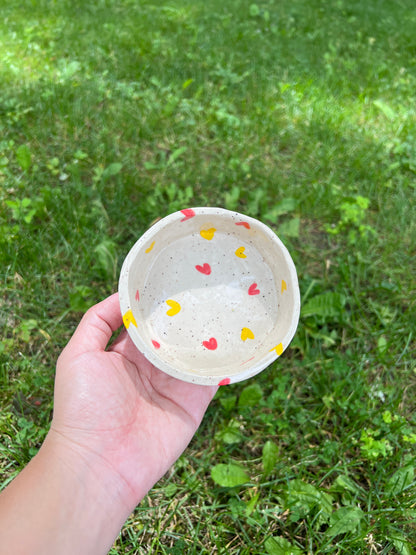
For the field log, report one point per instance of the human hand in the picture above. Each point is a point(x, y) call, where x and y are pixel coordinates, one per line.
point(119, 412)
point(118, 425)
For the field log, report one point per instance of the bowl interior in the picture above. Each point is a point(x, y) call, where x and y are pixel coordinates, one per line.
point(210, 293)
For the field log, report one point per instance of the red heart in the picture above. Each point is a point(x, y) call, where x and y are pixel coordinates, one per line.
point(137, 295)
point(188, 213)
point(156, 345)
point(245, 224)
point(211, 344)
point(252, 290)
point(225, 381)
point(205, 269)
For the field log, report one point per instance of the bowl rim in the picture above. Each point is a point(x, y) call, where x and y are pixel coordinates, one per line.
point(151, 355)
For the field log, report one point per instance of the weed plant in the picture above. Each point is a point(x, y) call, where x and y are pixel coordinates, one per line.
point(301, 113)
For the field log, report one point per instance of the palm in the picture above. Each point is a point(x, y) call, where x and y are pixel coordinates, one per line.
point(120, 406)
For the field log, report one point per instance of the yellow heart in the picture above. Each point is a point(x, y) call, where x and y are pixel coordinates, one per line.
point(128, 319)
point(240, 252)
point(150, 248)
point(175, 307)
point(246, 333)
point(278, 349)
point(208, 234)
point(284, 285)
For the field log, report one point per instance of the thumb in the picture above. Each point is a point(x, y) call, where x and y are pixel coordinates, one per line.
point(96, 327)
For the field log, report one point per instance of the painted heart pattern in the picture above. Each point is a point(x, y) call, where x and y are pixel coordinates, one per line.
point(174, 307)
point(208, 234)
point(252, 290)
point(246, 333)
point(188, 213)
point(240, 252)
point(150, 247)
point(278, 349)
point(204, 269)
point(211, 344)
point(128, 319)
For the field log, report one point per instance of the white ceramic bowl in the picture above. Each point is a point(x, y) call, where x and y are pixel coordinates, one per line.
point(210, 296)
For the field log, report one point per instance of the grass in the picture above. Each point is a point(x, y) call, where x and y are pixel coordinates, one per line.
point(302, 114)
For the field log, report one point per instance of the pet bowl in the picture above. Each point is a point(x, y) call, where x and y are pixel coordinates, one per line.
point(209, 296)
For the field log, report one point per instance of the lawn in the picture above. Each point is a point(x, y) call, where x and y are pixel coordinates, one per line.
point(302, 114)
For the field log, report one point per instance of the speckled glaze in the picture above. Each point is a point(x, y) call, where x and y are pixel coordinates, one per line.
point(210, 296)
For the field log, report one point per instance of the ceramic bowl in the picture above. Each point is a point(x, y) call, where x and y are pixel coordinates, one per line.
point(210, 296)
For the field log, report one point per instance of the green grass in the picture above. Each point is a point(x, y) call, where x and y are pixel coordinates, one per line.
point(299, 113)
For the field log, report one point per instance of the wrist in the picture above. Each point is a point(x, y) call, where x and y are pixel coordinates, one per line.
point(63, 502)
point(89, 502)
point(89, 469)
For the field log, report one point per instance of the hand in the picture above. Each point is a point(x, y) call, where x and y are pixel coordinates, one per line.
point(118, 425)
point(116, 409)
